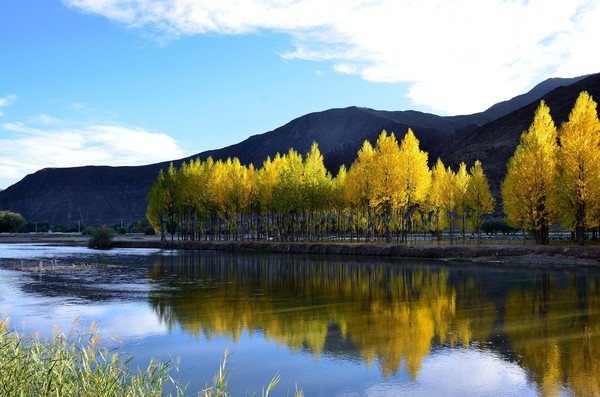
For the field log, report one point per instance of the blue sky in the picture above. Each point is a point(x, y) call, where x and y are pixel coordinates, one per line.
point(139, 81)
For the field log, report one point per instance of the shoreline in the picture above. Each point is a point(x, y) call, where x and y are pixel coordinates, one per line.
point(549, 257)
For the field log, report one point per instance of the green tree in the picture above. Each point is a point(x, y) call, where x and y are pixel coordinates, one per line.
point(579, 165)
point(11, 222)
point(528, 191)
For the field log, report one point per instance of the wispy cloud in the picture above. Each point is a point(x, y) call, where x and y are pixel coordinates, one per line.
point(6, 101)
point(96, 144)
point(458, 56)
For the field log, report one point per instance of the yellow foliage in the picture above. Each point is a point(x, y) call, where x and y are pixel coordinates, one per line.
point(579, 165)
point(528, 190)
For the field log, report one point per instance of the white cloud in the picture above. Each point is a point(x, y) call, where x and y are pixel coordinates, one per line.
point(464, 373)
point(459, 56)
point(24, 150)
point(6, 101)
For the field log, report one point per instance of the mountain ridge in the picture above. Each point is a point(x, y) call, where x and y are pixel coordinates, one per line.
point(106, 195)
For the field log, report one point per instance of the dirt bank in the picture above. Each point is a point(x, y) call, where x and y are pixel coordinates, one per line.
point(552, 256)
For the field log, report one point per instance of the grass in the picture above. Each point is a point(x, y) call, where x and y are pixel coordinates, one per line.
point(76, 365)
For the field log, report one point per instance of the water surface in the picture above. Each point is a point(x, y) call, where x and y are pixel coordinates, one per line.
point(333, 326)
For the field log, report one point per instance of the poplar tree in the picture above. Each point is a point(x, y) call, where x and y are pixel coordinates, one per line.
point(478, 198)
point(359, 186)
point(579, 168)
point(434, 199)
point(384, 195)
point(338, 201)
point(460, 193)
point(448, 200)
point(266, 179)
point(287, 191)
point(414, 179)
point(316, 187)
point(528, 190)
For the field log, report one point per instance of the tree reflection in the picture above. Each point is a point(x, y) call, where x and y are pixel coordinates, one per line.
point(391, 314)
point(556, 331)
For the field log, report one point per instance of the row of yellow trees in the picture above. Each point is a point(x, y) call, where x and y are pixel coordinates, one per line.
point(388, 192)
point(554, 174)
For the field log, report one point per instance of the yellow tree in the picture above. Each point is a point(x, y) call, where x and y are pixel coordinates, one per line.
point(287, 192)
point(579, 165)
point(528, 190)
point(448, 200)
point(460, 193)
point(338, 200)
point(414, 178)
point(434, 199)
point(316, 187)
point(478, 198)
point(385, 178)
point(266, 179)
point(359, 185)
point(237, 189)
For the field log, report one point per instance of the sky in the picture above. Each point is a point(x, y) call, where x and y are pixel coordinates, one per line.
point(130, 82)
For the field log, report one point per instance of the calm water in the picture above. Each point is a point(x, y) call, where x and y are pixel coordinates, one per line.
point(333, 326)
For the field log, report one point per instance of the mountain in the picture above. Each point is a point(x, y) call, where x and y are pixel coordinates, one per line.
point(494, 143)
point(107, 195)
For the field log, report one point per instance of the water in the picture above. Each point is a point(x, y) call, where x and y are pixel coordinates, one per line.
point(332, 326)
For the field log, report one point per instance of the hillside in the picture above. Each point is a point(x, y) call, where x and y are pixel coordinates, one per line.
point(495, 142)
point(106, 195)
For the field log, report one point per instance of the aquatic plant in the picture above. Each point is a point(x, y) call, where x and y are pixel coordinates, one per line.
point(75, 364)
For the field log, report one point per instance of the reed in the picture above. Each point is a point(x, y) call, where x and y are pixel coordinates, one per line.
point(76, 364)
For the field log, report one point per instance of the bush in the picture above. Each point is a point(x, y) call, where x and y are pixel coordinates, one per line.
point(149, 231)
point(101, 238)
point(11, 222)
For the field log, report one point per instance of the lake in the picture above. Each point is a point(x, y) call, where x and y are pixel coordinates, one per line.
point(333, 326)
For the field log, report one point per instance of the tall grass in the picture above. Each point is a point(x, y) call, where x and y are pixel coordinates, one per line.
point(76, 365)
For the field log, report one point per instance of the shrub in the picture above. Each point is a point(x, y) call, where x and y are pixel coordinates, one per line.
point(11, 222)
point(149, 231)
point(101, 238)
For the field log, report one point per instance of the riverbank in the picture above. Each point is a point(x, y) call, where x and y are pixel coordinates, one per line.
point(554, 255)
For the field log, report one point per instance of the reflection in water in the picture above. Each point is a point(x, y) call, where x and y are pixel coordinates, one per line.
point(392, 314)
point(389, 314)
point(556, 331)
point(422, 329)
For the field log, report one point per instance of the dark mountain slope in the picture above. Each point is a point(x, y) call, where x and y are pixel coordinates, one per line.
point(336, 131)
point(92, 195)
point(494, 143)
point(505, 107)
